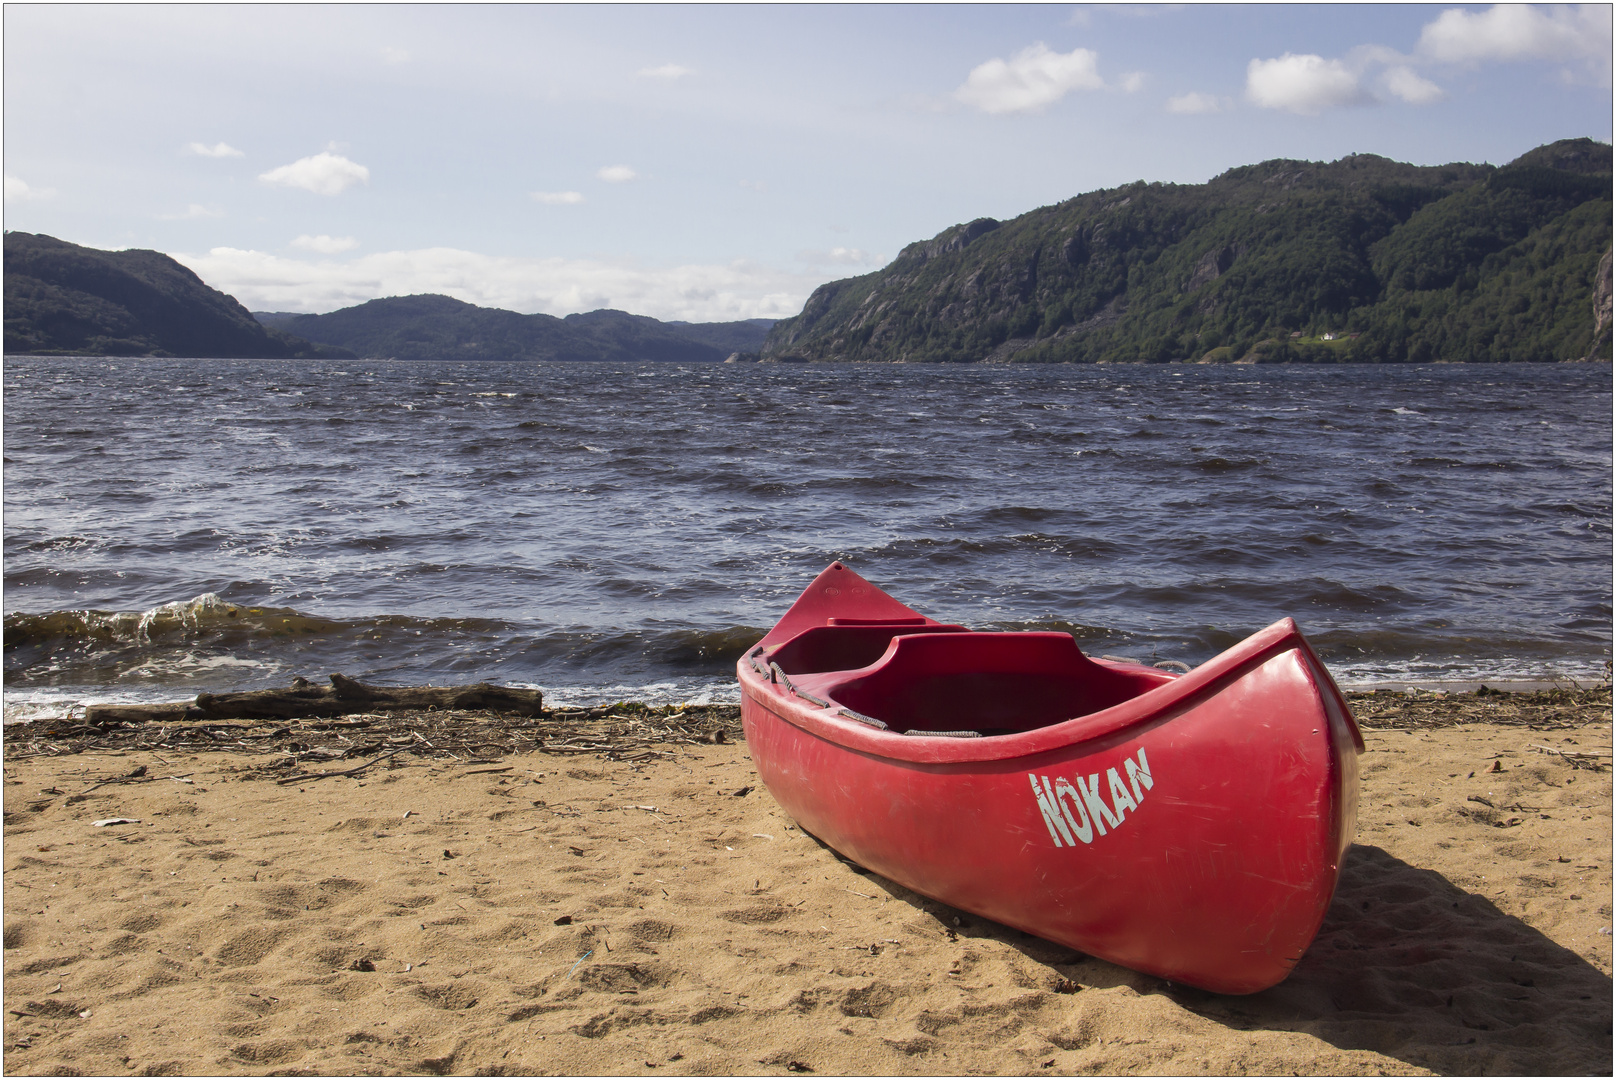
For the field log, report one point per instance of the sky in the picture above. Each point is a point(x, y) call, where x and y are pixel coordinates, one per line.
point(712, 162)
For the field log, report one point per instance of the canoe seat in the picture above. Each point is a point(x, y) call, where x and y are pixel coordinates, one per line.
point(994, 683)
point(846, 644)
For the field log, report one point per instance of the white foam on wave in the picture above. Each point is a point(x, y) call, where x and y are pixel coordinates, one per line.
point(700, 690)
point(192, 665)
point(47, 704)
point(1494, 672)
point(188, 613)
point(56, 708)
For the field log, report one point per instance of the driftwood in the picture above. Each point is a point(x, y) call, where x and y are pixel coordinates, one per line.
point(342, 698)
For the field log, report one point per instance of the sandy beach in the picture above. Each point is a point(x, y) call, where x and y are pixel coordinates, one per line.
point(540, 912)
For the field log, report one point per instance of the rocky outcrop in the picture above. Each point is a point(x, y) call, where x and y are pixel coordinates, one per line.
point(1601, 347)
point(1213, 265)
point(957, 238)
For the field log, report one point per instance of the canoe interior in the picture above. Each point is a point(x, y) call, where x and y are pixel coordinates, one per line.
point(842, 647)
point(934, 678)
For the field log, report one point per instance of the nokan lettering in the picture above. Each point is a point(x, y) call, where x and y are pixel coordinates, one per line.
point(1138, 774)
point(1052, 817)
point(1119, 793)
point(1103, 814)
point(1069, 800)
point(1075, 810)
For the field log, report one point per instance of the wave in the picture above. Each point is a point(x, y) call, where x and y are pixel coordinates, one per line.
point(203, 614)
point(212, 643)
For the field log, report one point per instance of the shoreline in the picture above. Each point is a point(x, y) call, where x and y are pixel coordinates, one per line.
point(65, 706)
point(626, 899)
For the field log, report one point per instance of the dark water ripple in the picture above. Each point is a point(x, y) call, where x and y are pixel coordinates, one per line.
point(605, 530)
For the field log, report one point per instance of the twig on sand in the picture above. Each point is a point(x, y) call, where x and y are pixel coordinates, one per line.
point(1575, 757)
point(345, 772)
point(136, 776)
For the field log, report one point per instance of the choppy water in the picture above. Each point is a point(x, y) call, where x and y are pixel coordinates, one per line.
point(611, 531)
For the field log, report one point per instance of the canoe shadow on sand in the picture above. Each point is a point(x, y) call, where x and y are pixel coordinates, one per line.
point(1407, 964)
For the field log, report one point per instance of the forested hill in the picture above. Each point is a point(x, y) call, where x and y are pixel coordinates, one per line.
point(1360, 260)
point(63, 299)
point(432, 327)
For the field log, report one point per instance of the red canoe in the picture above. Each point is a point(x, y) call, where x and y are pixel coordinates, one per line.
point(1191, 826)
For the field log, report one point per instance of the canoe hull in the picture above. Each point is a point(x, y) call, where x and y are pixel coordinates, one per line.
point(1199, 841)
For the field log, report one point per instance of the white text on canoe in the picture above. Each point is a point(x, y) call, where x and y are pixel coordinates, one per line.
point(1075, 810)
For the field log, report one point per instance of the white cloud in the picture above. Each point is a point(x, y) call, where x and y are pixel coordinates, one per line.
point(616, 174)
point(1032, 79)
point(666, 71)
point(1132, 82)
point(325, 245)
point(1412, 88)
point(837, 256)
point(694, 292)
point(755, 185)
point(1194, 103)
point(394, 55)
point(220, 150)
point(194, 211)
point(1519, 32)
point(558, 198)
point(1305, 84)
point(324, 174)
point(19, 191)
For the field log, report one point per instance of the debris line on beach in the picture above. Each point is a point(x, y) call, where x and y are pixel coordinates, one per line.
point(299, 747)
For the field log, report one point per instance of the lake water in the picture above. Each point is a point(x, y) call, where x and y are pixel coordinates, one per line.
point(609, 531)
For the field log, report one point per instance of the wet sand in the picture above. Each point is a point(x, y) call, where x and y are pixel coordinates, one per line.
point(549, 914)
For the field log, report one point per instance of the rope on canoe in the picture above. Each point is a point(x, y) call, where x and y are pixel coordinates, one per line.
point(947, 734)
point(779, 675)
point(861, 718)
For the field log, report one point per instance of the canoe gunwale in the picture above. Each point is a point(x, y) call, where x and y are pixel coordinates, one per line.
point(792, 704)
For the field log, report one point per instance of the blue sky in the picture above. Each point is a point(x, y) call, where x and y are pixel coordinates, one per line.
point(712, 162)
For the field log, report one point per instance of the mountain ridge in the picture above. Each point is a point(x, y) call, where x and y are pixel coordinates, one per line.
point(430, 326)
point(1394, 262)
